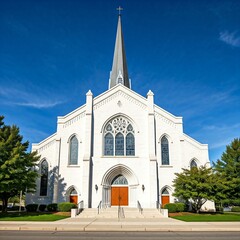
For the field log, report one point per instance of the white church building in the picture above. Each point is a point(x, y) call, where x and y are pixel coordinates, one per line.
point(118, 148)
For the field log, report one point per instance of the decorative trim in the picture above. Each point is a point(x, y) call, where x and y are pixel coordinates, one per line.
point(46, 146)
point(115, 95)
point(166, 120)
point(73, 120)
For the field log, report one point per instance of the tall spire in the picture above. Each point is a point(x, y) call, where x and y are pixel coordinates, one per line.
point(119, 73)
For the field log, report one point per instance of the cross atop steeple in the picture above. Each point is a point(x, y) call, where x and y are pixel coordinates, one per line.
point(119, 10)
point(119, 73)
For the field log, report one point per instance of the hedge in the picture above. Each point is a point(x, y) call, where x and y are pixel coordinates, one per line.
point(53, 207)
point(42, 207)
point(172, 207)
point(235, 209)
point(175, 207)
point(181, 207)
point(66, 206)
point(32, 207)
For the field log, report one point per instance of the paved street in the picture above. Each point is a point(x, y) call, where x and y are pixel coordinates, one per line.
point(35, 235)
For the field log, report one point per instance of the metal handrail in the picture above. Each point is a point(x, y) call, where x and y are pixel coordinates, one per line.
point(99, 206)
point(80, 206)
point(121, 212)
point(139, 207)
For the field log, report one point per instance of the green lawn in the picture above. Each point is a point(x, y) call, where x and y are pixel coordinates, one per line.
point(192, 217)
point(24, 216)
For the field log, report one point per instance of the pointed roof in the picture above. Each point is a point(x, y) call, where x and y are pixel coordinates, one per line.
point(119, 73)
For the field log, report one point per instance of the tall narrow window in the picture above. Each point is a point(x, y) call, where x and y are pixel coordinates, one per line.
point(193, 164)
point(108, 144)
point(44, 178)
point(130, 145)
point(165, 151)
point(73, 151)
point(119, 145)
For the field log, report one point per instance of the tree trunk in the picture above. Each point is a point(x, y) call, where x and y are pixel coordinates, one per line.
point(4, 203)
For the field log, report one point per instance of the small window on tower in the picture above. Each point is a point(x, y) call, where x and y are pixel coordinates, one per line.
point(120, 80)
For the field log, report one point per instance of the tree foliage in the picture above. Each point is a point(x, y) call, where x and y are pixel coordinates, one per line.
point(197, 185)
point(228, 169)
point(16, 165)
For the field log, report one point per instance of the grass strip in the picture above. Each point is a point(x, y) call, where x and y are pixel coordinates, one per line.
point(31, 217)
point(208, 217)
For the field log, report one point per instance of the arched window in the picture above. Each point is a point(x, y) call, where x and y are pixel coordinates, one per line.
point(44, 178)
point(119, 137)
point(119, 145)
point(73, 158)
point(130, 145)
point(193, 164)
point(119, 180)
point(165, 151)
point(108, 144)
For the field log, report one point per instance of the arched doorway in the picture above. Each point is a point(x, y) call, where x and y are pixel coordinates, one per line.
point(165, 196)
point(119, 191)
point(121, 181)
point(73, 196)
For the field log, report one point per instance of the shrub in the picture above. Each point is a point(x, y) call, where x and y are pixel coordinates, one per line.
point(16, 208)
point(32, 207)
point(66, 206)
point(180, 207)
point(52, 207)
point(235, 209)
point(219, 209)
point(172, 207)
point(42, 207)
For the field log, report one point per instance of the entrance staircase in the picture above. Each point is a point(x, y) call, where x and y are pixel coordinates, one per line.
point(124, 212)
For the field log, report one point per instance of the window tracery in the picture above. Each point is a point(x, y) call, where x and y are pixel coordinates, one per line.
point(119, 137)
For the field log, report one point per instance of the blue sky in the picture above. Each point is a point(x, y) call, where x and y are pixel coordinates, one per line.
point(187, 52)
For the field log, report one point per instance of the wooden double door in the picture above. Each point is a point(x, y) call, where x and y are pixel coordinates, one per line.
point(119, 196)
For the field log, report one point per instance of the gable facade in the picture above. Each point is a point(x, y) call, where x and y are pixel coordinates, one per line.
point(119, 148)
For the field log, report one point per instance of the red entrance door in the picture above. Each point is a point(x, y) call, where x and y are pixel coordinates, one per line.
point(74, 199)
point(119, 196)
point(165, 200)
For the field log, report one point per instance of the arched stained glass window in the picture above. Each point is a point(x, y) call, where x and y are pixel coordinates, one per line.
point(165, 192)
point(130, 145)
point(73, 192)
point(119, 180)
point(165, 151)
point(119, 139)
point(44, 178)
point(119, 144)
point(108, 144)
point(73, 158)
point(193, 164)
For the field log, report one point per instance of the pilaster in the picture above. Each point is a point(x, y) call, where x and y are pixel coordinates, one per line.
point(87, 170)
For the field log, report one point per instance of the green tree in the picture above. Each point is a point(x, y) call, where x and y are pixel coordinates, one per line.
point(196, 185)
point(16, 164)
point(228, 168)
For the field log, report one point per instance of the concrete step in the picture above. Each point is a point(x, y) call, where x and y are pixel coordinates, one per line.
point(113, 213)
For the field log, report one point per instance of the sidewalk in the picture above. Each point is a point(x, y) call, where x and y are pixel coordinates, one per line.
point(101, 224)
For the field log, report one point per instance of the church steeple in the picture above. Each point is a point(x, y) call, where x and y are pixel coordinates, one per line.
point(119, 73)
